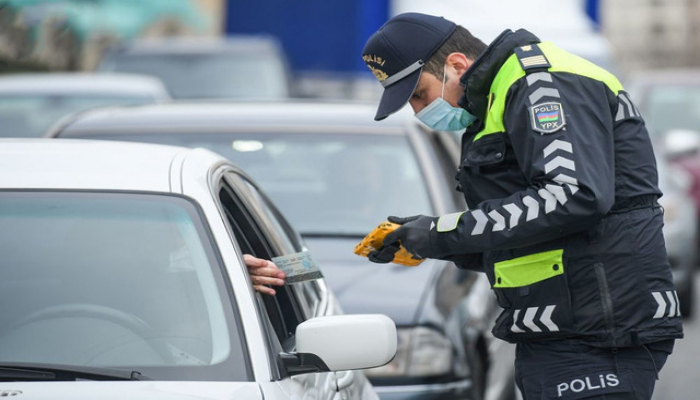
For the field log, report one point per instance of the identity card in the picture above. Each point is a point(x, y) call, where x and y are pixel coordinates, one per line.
point(299, 267)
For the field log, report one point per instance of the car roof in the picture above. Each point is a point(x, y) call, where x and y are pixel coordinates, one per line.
point(92, 165)
point(84, 83)
point(187, 117)
point(200, 45)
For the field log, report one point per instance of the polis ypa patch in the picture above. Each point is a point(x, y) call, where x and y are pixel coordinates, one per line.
point(547, 117)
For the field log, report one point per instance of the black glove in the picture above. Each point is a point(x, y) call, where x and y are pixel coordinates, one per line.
point(413, 234)
point(384, 254)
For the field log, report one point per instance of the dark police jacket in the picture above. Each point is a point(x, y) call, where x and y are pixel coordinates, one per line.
point(561, 183)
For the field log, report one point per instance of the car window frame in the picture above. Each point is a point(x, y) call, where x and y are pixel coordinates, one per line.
point(266, 305)
point(448, 151)
point(247, 230)
point(312, 296)
point(436, 179)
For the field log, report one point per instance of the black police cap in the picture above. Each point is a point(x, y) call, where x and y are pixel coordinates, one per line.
point(397, 52)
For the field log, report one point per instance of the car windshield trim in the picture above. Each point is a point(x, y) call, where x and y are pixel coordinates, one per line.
point(61, 372)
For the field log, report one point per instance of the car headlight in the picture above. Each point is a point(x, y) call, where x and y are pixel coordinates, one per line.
point(420, 352)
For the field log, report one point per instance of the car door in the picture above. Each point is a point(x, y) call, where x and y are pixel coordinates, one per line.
point(261, 231)
point(313, 296)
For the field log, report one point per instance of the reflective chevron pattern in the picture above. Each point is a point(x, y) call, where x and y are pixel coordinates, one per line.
point(667, 304)
point(533, 208)
point(500, 221)
point(515, 328)
point(543, 92)
point(557, 145)
point(535, 319)
point(481, 221)
point(515, 213)
point(625, 108)
point(558, 155)
point(550, 202)
point(571, 182)
point(558, 162)
point(538, 76)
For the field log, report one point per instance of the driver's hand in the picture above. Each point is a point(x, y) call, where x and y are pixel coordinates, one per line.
point(263, 273)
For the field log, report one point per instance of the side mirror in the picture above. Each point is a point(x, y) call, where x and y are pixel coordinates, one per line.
point(342, 342)
point(681, 142)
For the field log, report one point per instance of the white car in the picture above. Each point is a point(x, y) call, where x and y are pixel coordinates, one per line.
point(122, 277)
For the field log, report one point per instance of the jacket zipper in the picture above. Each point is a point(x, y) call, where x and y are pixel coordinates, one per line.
point(606, 299)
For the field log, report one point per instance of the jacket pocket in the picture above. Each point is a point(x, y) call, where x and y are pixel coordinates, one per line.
point(534, 291)
point(487, 152)
point(527, 270)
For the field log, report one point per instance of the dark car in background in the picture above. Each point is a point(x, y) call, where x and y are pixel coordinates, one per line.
point(337, 174)
point(680, 231)
point(31, 103)
point(240, 66)
point(669, 102)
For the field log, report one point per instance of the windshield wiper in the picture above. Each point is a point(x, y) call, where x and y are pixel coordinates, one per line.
point(60, 372)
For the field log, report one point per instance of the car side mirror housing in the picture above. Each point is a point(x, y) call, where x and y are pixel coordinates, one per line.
point(342, 342)
point(681, 142)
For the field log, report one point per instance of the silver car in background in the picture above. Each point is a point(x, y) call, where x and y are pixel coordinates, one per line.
point(238, 66)
point(336, 174)
point(31, 103)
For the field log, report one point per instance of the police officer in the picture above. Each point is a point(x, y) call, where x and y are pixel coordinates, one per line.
point(560, 178)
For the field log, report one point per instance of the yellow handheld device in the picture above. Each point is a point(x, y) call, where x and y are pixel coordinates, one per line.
point(373, 241)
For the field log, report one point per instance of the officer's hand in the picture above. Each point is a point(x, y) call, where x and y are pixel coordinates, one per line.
point(384, 254)
point(413, 234)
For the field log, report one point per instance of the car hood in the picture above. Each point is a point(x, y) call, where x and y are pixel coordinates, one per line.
point(152, 390)
point(362, 286)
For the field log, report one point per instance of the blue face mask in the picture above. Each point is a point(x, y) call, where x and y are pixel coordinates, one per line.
point(440, 115)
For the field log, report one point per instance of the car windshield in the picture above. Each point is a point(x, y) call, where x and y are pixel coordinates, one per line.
point(672, 107)
point(115, 280)
point(209, 76)
point(32, 115)
point(325, 183)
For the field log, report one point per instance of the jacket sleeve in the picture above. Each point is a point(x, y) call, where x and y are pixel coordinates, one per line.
point(470, 261)
point(561, 131)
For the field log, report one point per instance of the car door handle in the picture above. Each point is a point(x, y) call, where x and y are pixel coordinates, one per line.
point(344, 379)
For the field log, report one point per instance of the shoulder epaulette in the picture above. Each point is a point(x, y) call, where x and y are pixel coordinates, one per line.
point(531, 58)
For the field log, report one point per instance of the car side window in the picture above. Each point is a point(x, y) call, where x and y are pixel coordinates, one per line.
point(448, 150)
point(282, 309)
point(310, 294)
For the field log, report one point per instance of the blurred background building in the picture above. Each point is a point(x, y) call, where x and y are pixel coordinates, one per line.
point(653, 33)
point(72, 35)
point(322, 40)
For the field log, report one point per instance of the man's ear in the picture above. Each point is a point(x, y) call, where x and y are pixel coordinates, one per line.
point(459, 61)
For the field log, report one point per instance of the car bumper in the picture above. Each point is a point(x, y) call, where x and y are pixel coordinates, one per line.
point(434, 391)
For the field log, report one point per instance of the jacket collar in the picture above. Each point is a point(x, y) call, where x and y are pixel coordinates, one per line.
point(478, 78)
